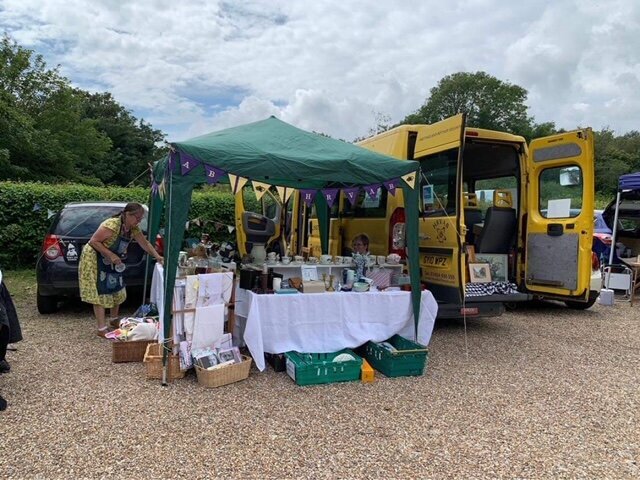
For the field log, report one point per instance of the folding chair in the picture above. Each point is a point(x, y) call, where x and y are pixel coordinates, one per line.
point(619, 277)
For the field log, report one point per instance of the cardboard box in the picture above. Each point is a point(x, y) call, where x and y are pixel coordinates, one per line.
point(313, 286)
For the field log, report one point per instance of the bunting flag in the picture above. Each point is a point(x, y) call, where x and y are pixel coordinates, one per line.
point(36, 207)
point(372, 190)
point(410, 179)
point(236, 182)
point(213, 174)
point(186, 225)
point(155, 188)
point(162, 189)
point(391, 185)
point(308, 195)
point(172, 160)
point(50, 213)
point(197, 221)
point(330, 195)
point(218, 225)
point(230, 228)
point(187, 163)
point(351, 194)
point(284, 193)
point(260, 188)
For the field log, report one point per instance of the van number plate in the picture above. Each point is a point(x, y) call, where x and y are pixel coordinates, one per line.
point(436, 261)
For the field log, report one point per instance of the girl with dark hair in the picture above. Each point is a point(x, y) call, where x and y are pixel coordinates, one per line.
point(100, 270)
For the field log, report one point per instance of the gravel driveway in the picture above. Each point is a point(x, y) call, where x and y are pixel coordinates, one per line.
point(543, 392)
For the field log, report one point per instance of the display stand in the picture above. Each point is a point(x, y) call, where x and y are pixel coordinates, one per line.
point(178, 306)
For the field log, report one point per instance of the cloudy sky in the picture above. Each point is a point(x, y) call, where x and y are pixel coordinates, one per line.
point(196, 66)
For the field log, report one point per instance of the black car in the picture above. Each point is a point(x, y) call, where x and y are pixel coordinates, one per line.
point(71, 229)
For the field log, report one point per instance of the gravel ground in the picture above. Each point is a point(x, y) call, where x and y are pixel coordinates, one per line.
point(543, 392)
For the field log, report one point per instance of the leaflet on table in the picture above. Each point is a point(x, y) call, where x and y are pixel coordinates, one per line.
point(309, 272)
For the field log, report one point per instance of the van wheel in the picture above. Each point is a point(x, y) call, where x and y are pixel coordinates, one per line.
point(47, 304)
point(581, 305)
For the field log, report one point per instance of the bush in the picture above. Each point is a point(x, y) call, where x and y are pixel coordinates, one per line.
point(24, 209)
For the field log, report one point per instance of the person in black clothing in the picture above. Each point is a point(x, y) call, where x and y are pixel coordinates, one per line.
point(10, 331)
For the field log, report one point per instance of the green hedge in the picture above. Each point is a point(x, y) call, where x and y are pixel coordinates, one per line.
point(24, 210)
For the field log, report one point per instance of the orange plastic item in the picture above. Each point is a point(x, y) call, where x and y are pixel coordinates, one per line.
point(367, 373)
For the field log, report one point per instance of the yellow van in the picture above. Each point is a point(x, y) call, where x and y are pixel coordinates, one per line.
point(501, 221)
point(274, 225)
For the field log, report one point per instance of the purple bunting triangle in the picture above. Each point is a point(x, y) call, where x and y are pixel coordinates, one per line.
point(213, 174)
point(330, 195)
point(372, 190)
point(187, 163)
point(155, 188)
point(351, 194)
point(391, 185)
point(308, 195)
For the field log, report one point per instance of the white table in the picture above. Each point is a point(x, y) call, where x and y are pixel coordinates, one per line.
point(328, 322)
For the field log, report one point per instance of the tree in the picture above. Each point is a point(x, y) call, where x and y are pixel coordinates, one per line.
point(488, 102)
point(51, 131)
point(615, 156)
point(40, 124)
point(134, 143)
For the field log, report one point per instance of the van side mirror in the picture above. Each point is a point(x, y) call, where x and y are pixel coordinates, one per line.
point(570, 176)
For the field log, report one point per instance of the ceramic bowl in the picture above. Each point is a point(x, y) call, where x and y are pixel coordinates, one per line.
point(360, 287)
point(393, 259)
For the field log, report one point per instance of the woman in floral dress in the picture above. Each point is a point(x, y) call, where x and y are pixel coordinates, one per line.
point(102, 284)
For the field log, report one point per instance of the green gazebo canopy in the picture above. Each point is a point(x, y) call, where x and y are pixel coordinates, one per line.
point(276, 153)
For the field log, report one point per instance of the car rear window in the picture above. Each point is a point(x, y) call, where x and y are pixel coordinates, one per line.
point(83, 221)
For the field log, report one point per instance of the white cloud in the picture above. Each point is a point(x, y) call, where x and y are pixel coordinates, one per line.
point(330, 66)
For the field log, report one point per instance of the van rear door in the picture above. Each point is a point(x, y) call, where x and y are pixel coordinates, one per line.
point(439, 149)
point(560, 217)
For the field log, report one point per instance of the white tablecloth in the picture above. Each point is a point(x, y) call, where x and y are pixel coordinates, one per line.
point(328, 322)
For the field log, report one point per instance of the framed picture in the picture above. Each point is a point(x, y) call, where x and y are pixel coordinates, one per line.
point(309, 272)
point(207, 361)
point(499, 264)
point(226, 354)
point(479, 272)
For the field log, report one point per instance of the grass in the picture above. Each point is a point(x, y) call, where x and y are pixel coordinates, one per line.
point(20, 283)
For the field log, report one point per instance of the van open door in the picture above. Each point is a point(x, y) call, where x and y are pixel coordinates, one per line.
point(439, 148)
point(560, 215)
point(270, 209)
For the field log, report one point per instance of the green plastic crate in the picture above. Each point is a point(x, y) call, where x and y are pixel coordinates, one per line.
point(409, 359)
point(317, 368)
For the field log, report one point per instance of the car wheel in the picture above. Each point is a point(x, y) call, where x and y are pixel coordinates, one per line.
point(582, 305)
point(47, 304)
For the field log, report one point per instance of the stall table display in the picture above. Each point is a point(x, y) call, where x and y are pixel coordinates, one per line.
point(328, 322)
point(295, 269)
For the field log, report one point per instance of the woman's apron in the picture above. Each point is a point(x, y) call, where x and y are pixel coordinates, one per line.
point(110, 280)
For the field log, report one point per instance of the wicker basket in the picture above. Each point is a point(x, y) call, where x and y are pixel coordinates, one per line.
point(224, 375)
point(129, 351)
point(153, 363)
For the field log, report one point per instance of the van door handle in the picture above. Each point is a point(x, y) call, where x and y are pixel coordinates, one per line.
point(555, 229)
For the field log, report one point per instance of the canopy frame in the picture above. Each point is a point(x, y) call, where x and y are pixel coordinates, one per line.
point(347, 164)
